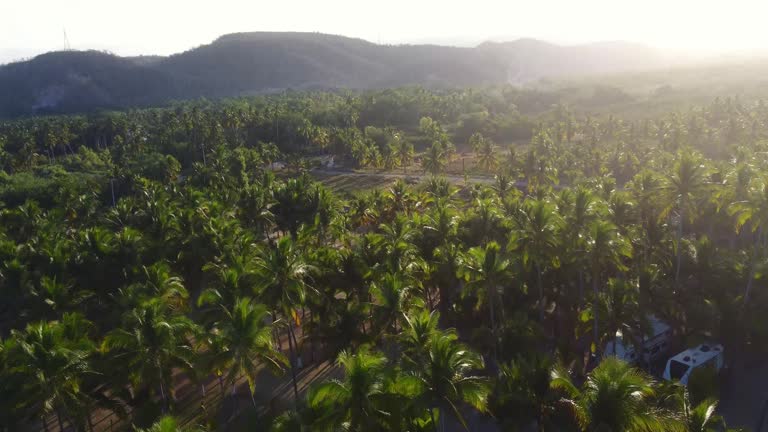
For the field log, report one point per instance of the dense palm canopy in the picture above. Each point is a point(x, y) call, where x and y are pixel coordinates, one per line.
point(148, 252)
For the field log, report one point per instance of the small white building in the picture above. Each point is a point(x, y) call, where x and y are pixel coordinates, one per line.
point(681, 366)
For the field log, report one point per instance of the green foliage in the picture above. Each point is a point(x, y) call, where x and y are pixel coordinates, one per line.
point(142, 248)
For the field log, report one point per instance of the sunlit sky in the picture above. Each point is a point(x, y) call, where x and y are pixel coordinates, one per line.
point(30, 27)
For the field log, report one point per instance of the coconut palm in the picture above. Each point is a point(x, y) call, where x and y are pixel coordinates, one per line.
point(522, 393)
point(448, 378)
point(169, 424)
point(402, 150)
point(151, 342)
point(420, 327)
point(395, 243)
point(486, 272)
point(753, 213)
point(535, 238)
point(702, 417)
point(682, 191)
point(434, 159)
point(615, 397)
point(605, 251)
point(52, 368)
point(241, 342)
point(391, 293)
point(620, 311)
point(281, 281)
point(359, 402)
point(485, 151)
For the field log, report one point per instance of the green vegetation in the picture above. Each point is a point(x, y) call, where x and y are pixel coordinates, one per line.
point(146, 253)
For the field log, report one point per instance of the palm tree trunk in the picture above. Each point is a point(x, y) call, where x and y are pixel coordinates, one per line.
point(595, 301)
point(162, 394)
point(292, 334)
point(276, 332)
point(541, 293)
point(293, 367)
point(310, 339)
point(491, 307)
point(753, 265)
point(45, 423)
point(679, 245)
point(432, 416)
point(58, 418)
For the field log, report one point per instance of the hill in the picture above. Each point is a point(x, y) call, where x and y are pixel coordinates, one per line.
point(249, 63)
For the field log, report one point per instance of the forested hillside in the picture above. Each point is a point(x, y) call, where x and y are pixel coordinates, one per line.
point(250, 63)
point(151, 253)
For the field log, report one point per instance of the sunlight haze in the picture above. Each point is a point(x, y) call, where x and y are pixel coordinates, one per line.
point(164, 27)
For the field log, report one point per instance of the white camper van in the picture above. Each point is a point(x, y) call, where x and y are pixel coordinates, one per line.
point(654, 345)
point(680, 367)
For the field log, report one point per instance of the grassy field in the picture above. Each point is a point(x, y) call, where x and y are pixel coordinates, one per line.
point(351, 183)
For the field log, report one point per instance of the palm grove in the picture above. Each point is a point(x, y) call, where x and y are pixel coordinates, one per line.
point(139, 246)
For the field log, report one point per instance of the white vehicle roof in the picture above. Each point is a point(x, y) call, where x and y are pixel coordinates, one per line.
point(698, 355)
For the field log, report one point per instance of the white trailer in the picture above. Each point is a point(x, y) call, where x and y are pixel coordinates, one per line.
point(680, 367)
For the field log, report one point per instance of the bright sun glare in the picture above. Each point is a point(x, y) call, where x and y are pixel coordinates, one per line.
point(152, 27)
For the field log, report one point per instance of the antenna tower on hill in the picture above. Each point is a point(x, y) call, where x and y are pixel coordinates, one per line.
point(66, 41)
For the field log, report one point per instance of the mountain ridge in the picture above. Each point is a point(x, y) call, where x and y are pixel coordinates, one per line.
point(249, 63)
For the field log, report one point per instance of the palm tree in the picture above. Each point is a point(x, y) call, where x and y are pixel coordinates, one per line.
point(618, 305)
point(522, 393)
point(52, 366)
point(420, 327)
point(359, 402)
point(579, 208)
point(168, 424)
point(486, 271)
point(682, 191)
point(485, 150)
point(447, 378)
point(434, 159)
point(150, 343)
point(395, 242)
point(391, 294)
point(281, 281)
point(402, 150)
point(605, 249)
point(535, 239)
point(615, 397)
point(754, 213)
point(242, 339)
point(702, 417)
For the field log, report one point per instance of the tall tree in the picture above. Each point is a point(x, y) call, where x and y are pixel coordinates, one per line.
point(281, 281)
point(616, 397)
point(486, 272)
point(151, 342)
point(682, 191)
point(241, 341)
point(535, 238)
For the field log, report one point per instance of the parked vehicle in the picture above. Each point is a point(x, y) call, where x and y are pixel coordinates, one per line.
point(654, 345)
point(680, 367)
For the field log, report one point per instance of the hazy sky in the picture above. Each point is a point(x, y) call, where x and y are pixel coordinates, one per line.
point(29, 27)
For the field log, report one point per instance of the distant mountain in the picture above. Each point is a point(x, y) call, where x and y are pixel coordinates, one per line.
point(252, 63)
point(531, 59)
